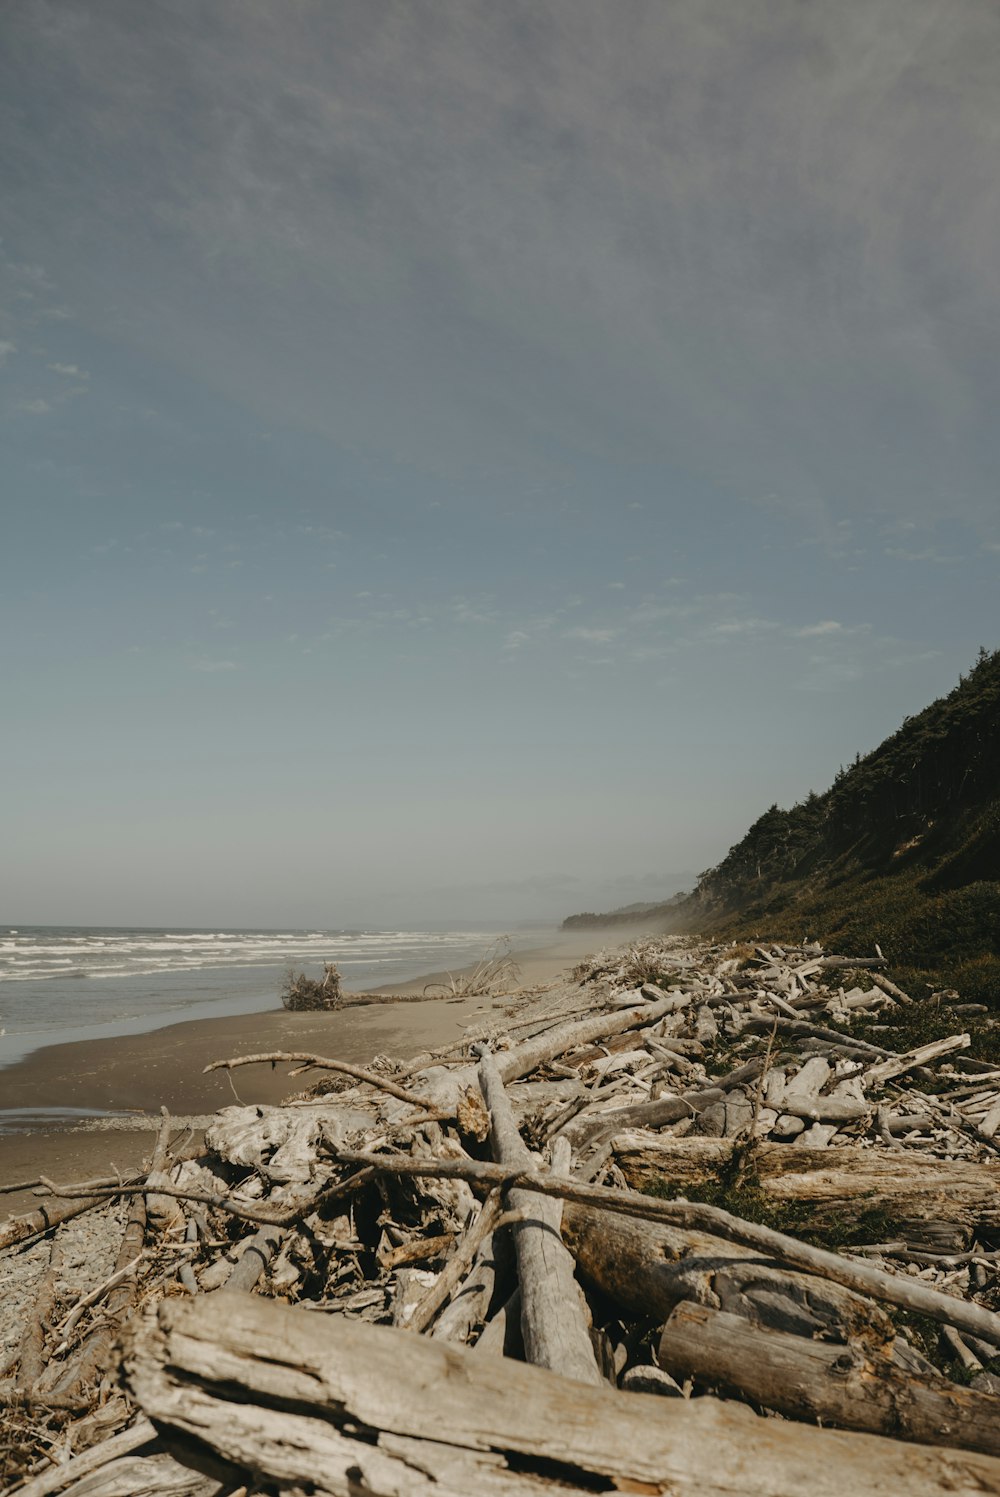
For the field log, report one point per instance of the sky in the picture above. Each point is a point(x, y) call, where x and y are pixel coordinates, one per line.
point(463, 462)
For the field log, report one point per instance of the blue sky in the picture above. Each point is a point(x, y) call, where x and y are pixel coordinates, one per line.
point(464, 462)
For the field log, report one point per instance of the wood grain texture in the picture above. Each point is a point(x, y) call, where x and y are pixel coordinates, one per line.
point(807, 1379)
point(342, 1408)
point(555, 1321)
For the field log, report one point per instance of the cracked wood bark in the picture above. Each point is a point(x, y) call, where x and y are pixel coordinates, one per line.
point(344, 1407)
point(807, 1379)
point(554, 1315)
point(647, 1269)
point(912, 1187)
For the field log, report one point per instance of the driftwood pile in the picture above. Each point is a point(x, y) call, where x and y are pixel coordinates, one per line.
point(643, 1235)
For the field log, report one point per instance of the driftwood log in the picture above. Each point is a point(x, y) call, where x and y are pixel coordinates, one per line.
point(554, 1314)
point(892, 1289)
point(647, 1268)
point(912, 1188)
point(838, 1385)
point(251, 1388)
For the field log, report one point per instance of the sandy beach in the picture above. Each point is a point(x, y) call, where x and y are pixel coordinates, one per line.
point(139, 1074)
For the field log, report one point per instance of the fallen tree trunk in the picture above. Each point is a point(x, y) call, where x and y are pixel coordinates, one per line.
point(567, 1037)
point(912, 1187)
point(807, 1379)
point(554, 1315)
point(248, 1386)
point(892, 1289)
point(647, 1269)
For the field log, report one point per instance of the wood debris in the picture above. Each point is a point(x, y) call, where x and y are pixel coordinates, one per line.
point(707, 1192)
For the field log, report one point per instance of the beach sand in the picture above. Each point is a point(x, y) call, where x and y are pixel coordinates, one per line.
point(164, 1068)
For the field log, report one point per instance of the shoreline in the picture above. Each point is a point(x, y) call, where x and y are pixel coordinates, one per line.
point(137, 1074)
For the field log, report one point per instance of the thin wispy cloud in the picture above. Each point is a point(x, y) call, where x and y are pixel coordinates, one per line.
point(825, 627)
point(514, 207)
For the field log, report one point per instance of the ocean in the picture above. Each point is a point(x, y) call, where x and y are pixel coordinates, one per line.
point(64, 983)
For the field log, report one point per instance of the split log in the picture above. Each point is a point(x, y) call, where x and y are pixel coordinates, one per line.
point(459, 1263)
point(469, 1306)
point(890, 988)
point(554, 1316)
point(831, 963)
point(94, 1356)
point(807, 1379)
point(802, 1029)
point(647, 1269)
point(31, 1352)
point(344, 1407)
point(913, 1188)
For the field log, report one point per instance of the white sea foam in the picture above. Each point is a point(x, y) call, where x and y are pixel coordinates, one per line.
point(61, 980)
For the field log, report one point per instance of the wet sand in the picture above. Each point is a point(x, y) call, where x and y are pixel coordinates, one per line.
point(139, 1074)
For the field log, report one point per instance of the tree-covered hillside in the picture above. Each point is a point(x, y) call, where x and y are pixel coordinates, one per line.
point(903, 850)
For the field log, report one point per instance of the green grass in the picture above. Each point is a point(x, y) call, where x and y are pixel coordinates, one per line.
point(747, 1199)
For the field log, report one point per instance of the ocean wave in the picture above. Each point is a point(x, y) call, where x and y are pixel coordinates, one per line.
point(35, 956)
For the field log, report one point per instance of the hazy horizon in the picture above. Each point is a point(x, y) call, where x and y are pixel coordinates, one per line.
point(519, 907)
point(467, 461)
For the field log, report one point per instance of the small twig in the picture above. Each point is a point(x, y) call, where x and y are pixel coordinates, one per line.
point(274, 1216)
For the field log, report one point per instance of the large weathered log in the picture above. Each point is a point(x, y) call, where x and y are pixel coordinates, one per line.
point(554, 1317)
point(807, 1379)
point(648, 1268)
point(892, 1289)
point(912, 1187)
point(536, 1052)
point(340, 1408)
point(653, 1114)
